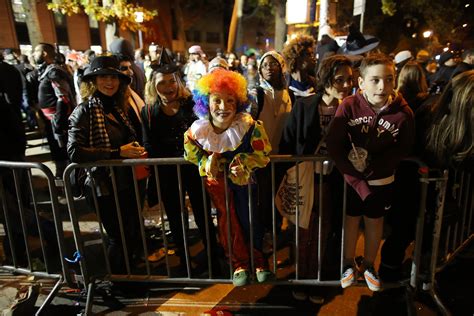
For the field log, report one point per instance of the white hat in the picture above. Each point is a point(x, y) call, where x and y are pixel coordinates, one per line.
point(195, 49)
point(218, 62)
point(402, 56)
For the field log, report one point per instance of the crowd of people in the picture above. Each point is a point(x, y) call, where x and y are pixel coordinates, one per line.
point(366, 110)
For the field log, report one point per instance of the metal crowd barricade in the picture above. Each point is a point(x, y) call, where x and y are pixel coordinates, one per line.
point(96, 267)
point(92, 269)
point(21, 220)
point(451, 229)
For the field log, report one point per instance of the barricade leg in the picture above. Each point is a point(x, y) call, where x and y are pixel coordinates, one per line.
point(90, 298)
point(50, 296)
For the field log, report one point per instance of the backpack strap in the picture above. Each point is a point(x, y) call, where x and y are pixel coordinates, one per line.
point(260, 100)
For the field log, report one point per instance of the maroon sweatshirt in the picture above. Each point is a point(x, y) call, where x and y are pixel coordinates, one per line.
point(387, 136)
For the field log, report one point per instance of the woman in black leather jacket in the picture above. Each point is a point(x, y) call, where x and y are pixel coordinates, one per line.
point(99, 129)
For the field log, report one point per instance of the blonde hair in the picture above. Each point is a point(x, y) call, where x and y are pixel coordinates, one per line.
point(451, 136)
point(151, 95)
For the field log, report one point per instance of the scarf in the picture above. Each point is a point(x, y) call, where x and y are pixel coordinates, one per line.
point(98, 136)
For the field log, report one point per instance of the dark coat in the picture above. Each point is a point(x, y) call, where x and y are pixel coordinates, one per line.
point(79, 150)
point(12, 130)
point(302, 132)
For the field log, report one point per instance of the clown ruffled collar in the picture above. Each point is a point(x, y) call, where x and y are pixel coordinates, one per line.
point(203, 132)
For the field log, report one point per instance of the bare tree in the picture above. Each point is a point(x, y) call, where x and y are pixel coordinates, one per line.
point(280, 23)
point(32, 22)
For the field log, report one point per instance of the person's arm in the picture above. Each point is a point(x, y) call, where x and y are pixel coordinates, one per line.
point(194, 153)
point(78, 142)
point(244, 163)
point(337, 142)
point(64, 105)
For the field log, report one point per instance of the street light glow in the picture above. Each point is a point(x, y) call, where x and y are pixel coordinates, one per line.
point(139, 17)
point(427, 34)
point(413, 35)
point(467, 5)
point(297, 12)
point(464, 25)
point(445, 49)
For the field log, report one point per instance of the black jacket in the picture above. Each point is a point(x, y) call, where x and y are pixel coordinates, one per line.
point(12, 130)
point(55, 91)
point(79, 150)
point(302, 132)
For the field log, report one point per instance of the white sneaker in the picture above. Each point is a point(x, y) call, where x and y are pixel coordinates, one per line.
point(372, 279)
point(349, 277)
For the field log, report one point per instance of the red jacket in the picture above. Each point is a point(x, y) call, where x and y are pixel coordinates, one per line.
point(388, 136)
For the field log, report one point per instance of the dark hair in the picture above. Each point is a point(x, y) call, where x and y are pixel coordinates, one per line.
point(375, 59)
point(24, 59)
point(328, 70)
point(121, 57)
point(412, 80)
point(467, 52)
point(49, 49)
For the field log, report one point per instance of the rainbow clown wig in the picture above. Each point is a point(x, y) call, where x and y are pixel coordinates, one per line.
point(220, 80)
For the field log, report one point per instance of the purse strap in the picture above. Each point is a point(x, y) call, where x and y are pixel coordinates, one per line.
point(323, 139)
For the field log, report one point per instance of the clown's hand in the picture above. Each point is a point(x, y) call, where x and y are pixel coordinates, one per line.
point(237, 169)
point(212, 166)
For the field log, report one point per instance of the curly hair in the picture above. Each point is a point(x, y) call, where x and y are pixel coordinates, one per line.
point(295, 48)
point(329, 67)
point(220, 80)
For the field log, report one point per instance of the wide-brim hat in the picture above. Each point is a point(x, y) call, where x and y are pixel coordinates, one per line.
point(103, 66)
point(402, 56)
point(444, 57)
point(357, 44)
point(358, 47)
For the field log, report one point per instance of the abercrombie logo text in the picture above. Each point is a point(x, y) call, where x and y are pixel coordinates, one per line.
point(382, 125)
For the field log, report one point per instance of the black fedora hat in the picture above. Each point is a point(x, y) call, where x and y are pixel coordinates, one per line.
point(357, 44)
point(164, 64)
point(105, 65)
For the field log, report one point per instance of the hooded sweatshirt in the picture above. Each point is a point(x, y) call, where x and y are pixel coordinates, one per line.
point(387, 136)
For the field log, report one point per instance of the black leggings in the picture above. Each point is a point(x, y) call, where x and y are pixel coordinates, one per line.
point(131, 227)
point(191, 183)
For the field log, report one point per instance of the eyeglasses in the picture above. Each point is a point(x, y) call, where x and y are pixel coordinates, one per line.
point(123, 68)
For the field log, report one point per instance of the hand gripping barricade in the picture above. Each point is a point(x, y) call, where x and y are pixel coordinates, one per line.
point(24, 224)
